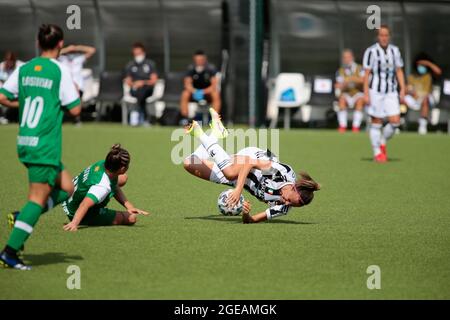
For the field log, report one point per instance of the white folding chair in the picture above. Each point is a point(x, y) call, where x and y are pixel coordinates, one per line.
point(299, 91)
point(128, 100)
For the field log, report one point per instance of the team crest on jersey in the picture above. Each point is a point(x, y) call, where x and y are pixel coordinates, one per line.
point(97, 168)
point(37, 68)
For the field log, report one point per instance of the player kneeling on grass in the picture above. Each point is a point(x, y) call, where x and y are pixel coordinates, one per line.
point(94, 186)
point(256, 170)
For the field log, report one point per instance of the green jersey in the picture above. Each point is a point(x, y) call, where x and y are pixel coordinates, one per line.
point(43, 87)
point(94, 183)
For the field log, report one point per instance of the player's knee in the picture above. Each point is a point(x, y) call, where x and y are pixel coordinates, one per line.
point(122, 180)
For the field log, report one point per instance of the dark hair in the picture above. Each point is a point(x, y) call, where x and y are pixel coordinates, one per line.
point(305, 187)
point(420, 56)
point(49, 36)
point(199, 53)
point(139, 45)
point(10, 60)
point(117, 158)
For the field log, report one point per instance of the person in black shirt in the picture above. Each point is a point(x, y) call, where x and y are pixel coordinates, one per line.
point(200, 84)
point(141, 76)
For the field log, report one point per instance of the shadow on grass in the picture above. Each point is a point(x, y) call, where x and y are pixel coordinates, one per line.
point(239, 220)
point(389, 159)
point(50, 258)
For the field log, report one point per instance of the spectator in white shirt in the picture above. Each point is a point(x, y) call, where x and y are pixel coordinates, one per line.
point(7, 67)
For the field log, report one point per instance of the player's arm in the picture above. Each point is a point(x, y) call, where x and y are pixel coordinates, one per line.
point(122, 199)
point(243, 172)
point(88, 51)
point(152, 79)
point(81, 212)
point(259, 217)
point(4, 101)
point(213, 87)
point(188, 84)
point(75, 111)
point(270, 213)
point(10, 90)
point(434, 67)
point(366, 85)
point(401, 83)
point(68, 94)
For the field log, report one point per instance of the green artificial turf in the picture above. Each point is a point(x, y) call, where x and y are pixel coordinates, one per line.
point(394, 215)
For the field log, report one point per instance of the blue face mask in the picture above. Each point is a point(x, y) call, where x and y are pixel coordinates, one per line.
point(421, 69)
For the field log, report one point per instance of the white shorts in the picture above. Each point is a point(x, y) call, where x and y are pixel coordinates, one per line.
point(383, 104)
point(253, 152)
point(257, 153)
point(351, 100)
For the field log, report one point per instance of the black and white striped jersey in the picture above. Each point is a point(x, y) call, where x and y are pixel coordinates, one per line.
point(383, 63)
point(266, 186)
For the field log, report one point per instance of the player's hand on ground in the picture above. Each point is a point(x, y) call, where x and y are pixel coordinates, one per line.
point(247, 207)
point(71, 226)
point(137, 211)
point(233, 198)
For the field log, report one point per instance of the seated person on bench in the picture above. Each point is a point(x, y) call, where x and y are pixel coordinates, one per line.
point(200, 84)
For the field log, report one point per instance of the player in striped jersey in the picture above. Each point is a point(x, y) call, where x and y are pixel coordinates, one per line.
point(256, 170)
point(383, 73)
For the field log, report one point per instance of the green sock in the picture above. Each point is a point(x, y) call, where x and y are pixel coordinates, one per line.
point(28, 217)
point(56, 197)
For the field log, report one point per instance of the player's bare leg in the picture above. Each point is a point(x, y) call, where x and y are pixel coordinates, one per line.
point(388, 132)
point(342, 114)
point(423, 121)
point(358, 115)
point(376, 139)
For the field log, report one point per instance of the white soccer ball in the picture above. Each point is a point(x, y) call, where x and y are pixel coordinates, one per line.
point(223, 207)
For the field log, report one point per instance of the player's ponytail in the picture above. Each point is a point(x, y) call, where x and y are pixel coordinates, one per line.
point(117, 158)
point(306, 186)
point(49, 36)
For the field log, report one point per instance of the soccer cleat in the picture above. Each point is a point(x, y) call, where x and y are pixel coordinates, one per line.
point(12, 217)
point(355, 129)
point(342, 129)
point(10, 261)
point(380, 158)
point(383, 150)
point(217, 126)
point(194, 129)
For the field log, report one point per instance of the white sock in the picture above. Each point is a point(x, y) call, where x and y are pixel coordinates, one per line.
point(215, 151)
point(423, 122)
point(357, 118)
point(389, 131)
point(198, 155)
point(375, 137)
point(342, 118)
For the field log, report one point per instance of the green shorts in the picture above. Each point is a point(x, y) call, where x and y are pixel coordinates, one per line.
point(97, 216)
point(43, 173)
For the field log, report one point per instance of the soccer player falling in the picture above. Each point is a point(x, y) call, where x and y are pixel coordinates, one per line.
point(256, 170)
point(45, 89)
point(94, 187)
